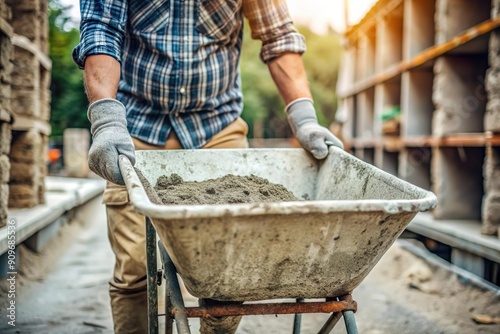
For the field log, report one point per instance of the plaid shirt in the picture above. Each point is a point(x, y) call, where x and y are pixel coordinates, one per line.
point(180, 59)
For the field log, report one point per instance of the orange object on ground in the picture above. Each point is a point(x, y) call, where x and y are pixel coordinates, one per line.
point(53, 154)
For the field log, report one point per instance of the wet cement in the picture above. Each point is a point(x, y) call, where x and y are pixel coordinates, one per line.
point(229, 189)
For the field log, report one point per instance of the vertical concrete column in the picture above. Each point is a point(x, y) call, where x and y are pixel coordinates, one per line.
point(418, 23)
point(76, 147)
point(457, 181)
point(495, 8)
point(414, 166)
point(492, 115)
point(416, 103)
point(390, 49)
point(456, 16)
point(459, 95)
point(491, 202)
point(365, 107)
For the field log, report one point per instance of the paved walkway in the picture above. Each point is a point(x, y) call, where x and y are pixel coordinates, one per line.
point(64, 289)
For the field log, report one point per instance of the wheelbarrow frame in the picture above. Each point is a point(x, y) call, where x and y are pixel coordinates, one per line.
point(356, 201)
point(175, 310)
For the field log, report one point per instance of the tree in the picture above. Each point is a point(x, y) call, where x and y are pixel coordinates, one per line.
point(69, 102)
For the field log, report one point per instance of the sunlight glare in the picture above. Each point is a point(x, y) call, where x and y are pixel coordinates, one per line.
point(319, 14)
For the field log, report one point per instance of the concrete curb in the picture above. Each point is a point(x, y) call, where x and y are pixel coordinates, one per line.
point(465, 277)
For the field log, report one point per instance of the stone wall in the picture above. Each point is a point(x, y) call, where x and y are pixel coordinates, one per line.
point(27, 169)
point(24, 103)
point(5, 108)
point(30, 19)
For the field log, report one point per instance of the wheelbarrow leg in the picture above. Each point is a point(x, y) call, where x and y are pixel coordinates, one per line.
point(330, 323)
point(152, 278)
point(334, 318)
point(169, 321)
point(174, 292)
point(297, 320)
point(350, 322)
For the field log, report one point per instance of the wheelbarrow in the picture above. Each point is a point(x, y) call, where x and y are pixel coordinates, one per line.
point(321, 247)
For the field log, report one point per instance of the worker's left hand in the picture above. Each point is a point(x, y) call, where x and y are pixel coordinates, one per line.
point(312, 136)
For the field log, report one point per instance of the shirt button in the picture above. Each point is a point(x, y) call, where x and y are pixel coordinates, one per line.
point(182, 90)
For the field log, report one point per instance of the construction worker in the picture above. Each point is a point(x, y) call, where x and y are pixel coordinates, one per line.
point(165, 74)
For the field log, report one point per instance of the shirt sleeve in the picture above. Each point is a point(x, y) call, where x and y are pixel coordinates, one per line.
point(102, 29)
point(270, 22)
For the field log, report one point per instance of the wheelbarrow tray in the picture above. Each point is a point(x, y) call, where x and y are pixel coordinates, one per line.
point(322, 246)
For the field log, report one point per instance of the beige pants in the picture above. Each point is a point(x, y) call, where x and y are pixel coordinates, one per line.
point(127, 235)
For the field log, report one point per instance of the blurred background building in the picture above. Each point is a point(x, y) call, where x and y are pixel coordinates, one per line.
point(419, 97)
point(24, 103)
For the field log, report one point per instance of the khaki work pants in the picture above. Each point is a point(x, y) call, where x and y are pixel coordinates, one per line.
point(127, 235)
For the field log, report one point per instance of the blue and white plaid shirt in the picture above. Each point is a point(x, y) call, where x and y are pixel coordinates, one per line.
point(180, 59)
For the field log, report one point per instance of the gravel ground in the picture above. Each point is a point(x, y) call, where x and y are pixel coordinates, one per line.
point(64, 290)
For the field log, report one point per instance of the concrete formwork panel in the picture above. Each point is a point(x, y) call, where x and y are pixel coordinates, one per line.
point(459, 94)
point(456, 16)
point(365, 113)
point(491, 203)
point(419, 27)
point(415, 166)
point(390, 45)
point(457, 181)
point(417, 107)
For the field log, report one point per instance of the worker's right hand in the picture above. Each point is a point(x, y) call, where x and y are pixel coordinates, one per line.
point(110, 138)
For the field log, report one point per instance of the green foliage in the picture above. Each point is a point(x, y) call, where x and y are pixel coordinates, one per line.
point(322, 63)
point(69, 103)
point(264, 109)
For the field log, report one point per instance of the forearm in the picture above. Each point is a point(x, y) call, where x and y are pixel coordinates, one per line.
point(290, 77)
point(108, 118)
point(101, 77)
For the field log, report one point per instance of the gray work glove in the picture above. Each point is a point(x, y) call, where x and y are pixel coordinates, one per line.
point(312, 136)
point(110, 138)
